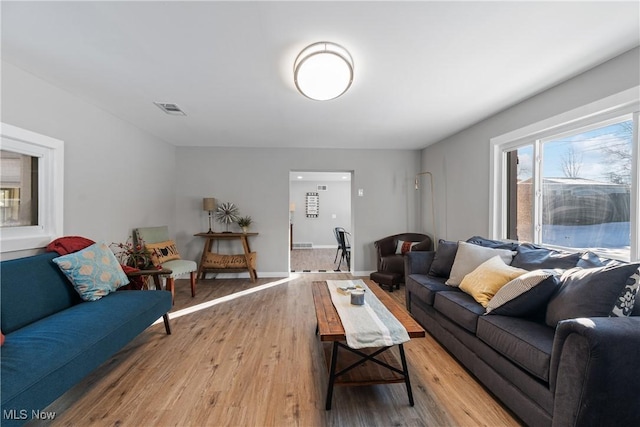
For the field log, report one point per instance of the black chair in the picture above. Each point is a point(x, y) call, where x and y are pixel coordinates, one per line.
point(344, 247)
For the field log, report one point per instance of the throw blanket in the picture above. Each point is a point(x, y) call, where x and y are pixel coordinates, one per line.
point(368, 325)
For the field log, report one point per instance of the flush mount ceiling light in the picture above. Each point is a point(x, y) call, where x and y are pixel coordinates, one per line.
point(323, 71)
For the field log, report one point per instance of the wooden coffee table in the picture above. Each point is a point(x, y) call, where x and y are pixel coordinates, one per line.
point(350, 367)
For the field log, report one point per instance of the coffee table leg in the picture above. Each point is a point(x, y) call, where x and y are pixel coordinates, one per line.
point(406, 374)
point(332, 375)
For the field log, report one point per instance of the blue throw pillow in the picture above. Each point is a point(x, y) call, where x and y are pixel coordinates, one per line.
point(93, 271)
point(589, 292)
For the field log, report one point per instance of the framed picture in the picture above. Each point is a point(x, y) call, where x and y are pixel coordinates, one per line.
point(312, 205)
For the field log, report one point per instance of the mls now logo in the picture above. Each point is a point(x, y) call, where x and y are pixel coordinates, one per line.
point(23, 414)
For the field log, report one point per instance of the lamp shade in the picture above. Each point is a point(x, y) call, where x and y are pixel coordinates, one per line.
point(323, 71)
point(208, 204)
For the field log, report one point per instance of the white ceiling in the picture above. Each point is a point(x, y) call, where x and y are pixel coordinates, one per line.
point(423, 70)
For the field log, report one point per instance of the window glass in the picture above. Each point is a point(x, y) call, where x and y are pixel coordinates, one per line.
point(586, 188)
point(18, 189)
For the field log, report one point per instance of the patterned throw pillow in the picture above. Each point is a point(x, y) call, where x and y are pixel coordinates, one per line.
point(526, 294)
point(93, 271)
point(162, 252)
point(403, 247)
point(627, 298)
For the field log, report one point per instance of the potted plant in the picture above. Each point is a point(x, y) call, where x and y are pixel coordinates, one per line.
point(244, 222)
point(132, 255)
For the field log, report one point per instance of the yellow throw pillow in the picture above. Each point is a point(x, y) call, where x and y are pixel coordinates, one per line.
point(483, 282)
point(162, 252)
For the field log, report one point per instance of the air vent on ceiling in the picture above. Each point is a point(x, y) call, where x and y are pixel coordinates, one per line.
point(322, 188)
point(169, 108)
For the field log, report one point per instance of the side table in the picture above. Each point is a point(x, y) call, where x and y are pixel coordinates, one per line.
point(203, 268)
point(155, 274)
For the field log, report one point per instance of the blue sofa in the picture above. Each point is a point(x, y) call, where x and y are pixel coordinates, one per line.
point(54, 339)
point(582, 372)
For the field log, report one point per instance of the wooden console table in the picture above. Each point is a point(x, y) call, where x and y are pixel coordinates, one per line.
point(208, 244)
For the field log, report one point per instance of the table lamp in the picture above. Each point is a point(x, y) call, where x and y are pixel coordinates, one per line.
point(209, 205)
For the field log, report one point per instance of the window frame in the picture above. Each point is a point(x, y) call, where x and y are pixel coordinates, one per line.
point(50, 152)
point(624, 103)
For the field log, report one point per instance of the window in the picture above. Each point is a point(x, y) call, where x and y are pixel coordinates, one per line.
point(31, 189)
point(18, 189)
point(573, 183)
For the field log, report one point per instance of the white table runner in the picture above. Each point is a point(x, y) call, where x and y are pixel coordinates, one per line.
point(368, 325)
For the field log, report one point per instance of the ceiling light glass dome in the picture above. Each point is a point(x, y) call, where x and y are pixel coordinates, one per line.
point(323, 71)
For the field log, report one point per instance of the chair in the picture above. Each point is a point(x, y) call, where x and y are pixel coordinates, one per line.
point(344, 247)
point(152, 236)
point(390, 257)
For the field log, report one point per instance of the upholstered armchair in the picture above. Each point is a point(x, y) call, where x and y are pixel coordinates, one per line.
point(165, 253)
point(390, 257)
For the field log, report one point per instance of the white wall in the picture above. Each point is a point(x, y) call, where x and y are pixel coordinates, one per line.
point(460, 163)
point(257, 180)
point(116, 177)
point(336, 200)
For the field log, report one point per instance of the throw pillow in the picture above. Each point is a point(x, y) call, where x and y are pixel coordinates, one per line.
point(93, 271)
point(496, 244)
point(532, 257)
point(162, 252)
point(483, 282)
point(403, 247)
point(443, 259)
point(588, 292)
point(469, 257)
point(627, 298)
point(1, 339)
point(424, 245)
point(525, 295)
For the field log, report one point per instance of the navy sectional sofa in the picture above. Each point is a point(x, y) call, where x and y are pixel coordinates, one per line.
point(54, 339)
point(583, 372)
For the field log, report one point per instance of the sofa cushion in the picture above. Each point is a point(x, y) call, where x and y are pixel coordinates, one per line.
point(55, 353)
point(470, 256)
point(32, 288)
point(483, 282)
point(443, 259)
point(94, 271)
point(526, 294)
point(532, 257)
point(590, 260)
point(496, 244)
point(459, 307)
point(588, 292)
point(425, 287)
point(528, 344)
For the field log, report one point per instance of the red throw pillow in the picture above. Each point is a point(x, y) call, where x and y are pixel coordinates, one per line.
point(1, 339)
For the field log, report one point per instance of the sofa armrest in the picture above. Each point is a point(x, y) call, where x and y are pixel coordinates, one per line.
point(418, 262)
point(595, 372)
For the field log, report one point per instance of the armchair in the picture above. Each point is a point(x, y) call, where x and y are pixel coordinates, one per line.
point(390, 257)
point(156, 239)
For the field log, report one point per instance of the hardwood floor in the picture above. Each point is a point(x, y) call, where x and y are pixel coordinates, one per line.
point(315, 260)
point(245, 354)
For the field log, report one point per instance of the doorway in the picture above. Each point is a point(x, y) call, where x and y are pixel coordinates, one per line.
point(319, 201)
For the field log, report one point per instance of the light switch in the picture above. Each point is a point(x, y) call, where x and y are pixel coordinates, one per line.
point(334, 216)
point(360, 192)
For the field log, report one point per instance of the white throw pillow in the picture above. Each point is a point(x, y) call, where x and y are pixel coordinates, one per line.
point(470, 256)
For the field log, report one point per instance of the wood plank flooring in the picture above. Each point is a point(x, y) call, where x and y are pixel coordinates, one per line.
point(316, 260)
point(247, 355)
